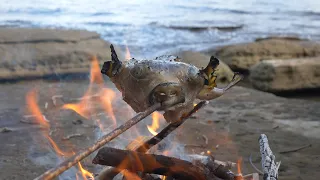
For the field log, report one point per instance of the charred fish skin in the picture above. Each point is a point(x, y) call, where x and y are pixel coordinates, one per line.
point(145, 82)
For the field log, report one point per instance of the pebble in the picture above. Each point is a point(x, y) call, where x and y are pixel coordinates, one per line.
point(5, 130)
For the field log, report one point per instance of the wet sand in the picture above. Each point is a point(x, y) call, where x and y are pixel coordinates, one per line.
point(231, 123)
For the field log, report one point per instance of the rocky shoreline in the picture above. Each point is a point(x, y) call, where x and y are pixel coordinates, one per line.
point(275, 64)
point(37, 53)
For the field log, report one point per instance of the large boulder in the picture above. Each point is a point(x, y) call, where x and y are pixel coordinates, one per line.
point(200, 60)
point(283, 75)
point(31, 53)
point(243, 56)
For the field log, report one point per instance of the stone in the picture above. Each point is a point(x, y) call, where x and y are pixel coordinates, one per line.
point(34, 53)
point(245, 55)
point(286, 75)
point(225, 74)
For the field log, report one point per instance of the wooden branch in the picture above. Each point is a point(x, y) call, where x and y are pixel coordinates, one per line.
point(109, 174)
point(54, 172)
point(148, 163)
point(269, 166)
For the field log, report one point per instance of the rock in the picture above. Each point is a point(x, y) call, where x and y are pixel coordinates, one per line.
point(5, 130)
point(283, 75)
point(200, 60)
point(32, 53)
point(243, 56)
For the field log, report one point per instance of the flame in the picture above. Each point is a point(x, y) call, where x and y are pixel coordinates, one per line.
point(33, 108)
point(239, 166)
point(155, 123)
point(106, 97)
point(165, 153)
point(128, 56)
point(84, 172)
point(95, 74)
point(80, 108)
point(83, 107)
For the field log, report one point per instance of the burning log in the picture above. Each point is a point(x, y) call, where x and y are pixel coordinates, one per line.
point(202, 167)
point(269, 166)
point(111, 173)
point(149, 163)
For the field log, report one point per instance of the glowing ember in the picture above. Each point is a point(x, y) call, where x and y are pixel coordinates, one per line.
point(155, 123)
point(84, 172)
point(128, 56)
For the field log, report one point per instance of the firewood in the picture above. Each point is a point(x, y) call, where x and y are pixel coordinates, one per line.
point(269, 166)
point(148, 163)
point(200, 166)
point(54, 172)
point(109, 174)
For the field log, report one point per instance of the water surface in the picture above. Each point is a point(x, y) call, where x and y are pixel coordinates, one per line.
point(155, 27)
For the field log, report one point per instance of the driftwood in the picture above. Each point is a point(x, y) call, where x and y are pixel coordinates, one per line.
point(202, 168)
point(109, 174)
point(269, 166)
point(54, 172)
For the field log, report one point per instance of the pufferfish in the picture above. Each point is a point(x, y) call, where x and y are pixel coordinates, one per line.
point(165, 78)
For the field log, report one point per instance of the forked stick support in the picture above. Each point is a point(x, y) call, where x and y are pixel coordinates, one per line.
point(269, 166)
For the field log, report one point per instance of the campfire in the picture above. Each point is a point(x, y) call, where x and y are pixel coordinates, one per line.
point(173, 91)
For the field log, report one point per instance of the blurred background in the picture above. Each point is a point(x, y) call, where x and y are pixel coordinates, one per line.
point(151, 28)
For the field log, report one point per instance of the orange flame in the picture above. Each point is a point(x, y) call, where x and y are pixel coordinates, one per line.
point(155, 123)
point(84, 172)
point(95, 74)
point(239, 165)
point(82, 108)
point(128, 56)
point(106, 97)
point(34, 109)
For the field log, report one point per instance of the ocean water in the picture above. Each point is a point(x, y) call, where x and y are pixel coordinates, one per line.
point(154, 27)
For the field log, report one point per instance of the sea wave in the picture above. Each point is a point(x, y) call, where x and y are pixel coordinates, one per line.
point(35, 11)
point(196, 28)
